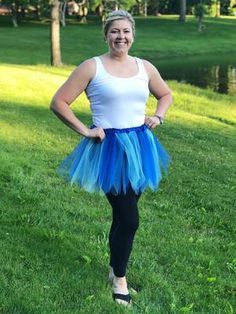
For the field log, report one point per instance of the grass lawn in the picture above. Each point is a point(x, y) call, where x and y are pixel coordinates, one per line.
point(157, 38)
point(53, 238)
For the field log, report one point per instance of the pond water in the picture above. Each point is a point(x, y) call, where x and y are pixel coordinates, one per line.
point(217, 72)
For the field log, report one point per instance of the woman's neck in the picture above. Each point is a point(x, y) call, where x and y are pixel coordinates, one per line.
point(117, 57)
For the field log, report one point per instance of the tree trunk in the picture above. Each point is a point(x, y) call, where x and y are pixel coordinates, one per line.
point(14, 15)
point(140, 8)
point(182, 15)
point(217, 8)
point(223, 83)
point(200, 20)
point(63, 13)
point(83, 12)
point(100, 9)
point(38, 11)
point(55, 34)
point(145, 8)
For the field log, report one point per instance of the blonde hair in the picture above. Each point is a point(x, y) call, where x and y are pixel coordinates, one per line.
point(118, 15)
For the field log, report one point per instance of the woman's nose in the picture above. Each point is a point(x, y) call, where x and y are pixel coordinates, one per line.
point(121, 35)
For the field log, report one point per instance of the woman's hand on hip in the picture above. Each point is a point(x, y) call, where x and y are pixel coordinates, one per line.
point(96, 133)
point(151, 122)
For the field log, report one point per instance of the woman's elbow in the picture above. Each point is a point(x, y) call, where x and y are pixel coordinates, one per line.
point(53, 105)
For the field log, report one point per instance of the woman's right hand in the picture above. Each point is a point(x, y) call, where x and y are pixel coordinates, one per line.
point(96, 133)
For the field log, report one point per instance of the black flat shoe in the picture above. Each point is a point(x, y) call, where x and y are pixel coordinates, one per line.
point(124, 299)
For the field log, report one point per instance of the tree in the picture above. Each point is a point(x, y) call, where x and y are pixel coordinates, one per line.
point(83, 10)
point(102, 7)
point(15, 7)
point(200, 10)
point(217, 10)
point(19, 8)
point(182, 16)
point(55, 33)
point(62, 10)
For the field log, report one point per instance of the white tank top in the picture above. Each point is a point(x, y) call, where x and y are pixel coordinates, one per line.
point(117, 102)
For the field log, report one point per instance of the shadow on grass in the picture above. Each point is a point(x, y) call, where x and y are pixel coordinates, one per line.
point(48, 266)
point(36, 118)
point(44, 120)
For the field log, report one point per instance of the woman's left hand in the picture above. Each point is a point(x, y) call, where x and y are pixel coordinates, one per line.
point(151, 122)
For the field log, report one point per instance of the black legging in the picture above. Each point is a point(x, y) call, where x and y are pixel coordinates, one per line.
point(124, 225)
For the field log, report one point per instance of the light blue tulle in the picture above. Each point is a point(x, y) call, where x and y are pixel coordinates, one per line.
point(126, 157)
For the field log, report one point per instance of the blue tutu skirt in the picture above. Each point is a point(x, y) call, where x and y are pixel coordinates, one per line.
point(126, 158)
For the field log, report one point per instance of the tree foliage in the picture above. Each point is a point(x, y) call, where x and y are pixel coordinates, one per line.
point(41, 8)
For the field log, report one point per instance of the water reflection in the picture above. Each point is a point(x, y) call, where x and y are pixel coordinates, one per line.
point(215, 72)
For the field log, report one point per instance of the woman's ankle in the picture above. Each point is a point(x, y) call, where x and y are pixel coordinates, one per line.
point(119, 279)
point(120, 285)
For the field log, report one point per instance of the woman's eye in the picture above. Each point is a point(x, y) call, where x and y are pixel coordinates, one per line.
point(116, 31)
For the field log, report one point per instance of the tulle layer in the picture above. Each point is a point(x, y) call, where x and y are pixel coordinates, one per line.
point(126, 157)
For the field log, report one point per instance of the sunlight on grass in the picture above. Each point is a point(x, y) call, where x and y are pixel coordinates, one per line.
point(38, 84)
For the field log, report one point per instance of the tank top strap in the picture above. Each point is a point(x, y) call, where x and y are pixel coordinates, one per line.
point(142, 70)
point(99, 67)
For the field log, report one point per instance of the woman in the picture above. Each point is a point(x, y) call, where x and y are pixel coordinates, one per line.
point(119, 154)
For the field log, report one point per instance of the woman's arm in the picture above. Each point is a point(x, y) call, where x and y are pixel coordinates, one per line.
point(160, 91)
point(68, 92)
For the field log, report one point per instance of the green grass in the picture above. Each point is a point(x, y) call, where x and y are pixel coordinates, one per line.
point(53, 238)
point(157, 38)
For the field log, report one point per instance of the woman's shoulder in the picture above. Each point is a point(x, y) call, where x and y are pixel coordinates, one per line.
point(150, 68)
point(148, 65)
point(87, 68)
point(87, 65)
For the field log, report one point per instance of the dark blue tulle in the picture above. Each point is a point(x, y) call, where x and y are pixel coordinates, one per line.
point(126, 157)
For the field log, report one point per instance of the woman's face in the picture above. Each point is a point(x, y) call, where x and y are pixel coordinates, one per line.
point(120, 36)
